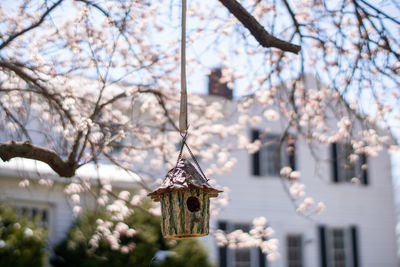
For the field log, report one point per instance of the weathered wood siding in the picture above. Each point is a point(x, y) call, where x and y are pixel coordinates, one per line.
point(178, 221)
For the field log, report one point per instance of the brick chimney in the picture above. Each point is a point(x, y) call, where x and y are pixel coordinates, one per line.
point(215, 87)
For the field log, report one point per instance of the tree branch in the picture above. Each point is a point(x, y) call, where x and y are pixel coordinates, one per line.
point(93, 4)
point(379, 11)
point(34, 25)
point(74, 149)
point(12, 149)
point(12, 117)
point(293, 16)
point(18, 69)
point(257, 30)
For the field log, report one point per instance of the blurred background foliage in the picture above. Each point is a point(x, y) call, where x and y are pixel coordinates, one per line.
point(151, 249)
point(22, 242)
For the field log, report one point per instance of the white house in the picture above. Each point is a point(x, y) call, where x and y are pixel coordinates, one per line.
point(357, 229)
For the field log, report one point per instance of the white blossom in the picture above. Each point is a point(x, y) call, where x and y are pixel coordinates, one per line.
point(271, 115)
point(76, 210)
point(24, 183)
point(124, 195)
point(75, 198)
point(295, 175)
point(320, 207)
point(286, 171)
point(28, 232)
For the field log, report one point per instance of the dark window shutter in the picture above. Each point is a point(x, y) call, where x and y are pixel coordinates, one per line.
point(256, 170)
point(292, 157)
point(364, 177)
point(261, 258)
point(222, 251)
point(322, 246)
point(334, 156)
point(354, 246)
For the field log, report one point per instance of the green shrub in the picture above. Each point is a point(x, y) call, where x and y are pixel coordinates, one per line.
point(186, 253)
point(76, 251)
point(22, 242)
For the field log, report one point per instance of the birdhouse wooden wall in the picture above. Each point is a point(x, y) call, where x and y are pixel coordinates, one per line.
point(185, 213)
point(185, 202)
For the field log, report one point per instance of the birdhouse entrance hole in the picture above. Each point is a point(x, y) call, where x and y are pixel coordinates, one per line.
point(193, 204)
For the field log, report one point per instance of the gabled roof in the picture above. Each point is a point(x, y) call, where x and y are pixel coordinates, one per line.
point(184, 175)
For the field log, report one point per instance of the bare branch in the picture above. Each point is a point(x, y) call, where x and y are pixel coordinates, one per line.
point(257, 30)
point(17, 68)
point(379, 11)
point(12, 117)
point(293, 16)
point(90, 3)
point(34, 25)
point(12, 149)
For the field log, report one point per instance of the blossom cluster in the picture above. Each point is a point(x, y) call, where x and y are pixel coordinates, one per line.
point(258, 236)
point(111, 233)
point(305, 204)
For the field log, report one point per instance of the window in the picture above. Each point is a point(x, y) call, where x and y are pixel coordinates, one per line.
point(270, 159)
point(41, 215)
point(241, 257)
point(294, 247)
point(40, 211)
point(339, 247)
point(345, 169)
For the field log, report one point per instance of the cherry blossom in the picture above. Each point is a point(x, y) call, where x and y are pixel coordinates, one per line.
point(101, 86)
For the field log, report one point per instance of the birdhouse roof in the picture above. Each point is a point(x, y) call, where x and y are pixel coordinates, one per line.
point(184, 175)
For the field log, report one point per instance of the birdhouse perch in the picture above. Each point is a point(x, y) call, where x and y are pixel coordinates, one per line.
point(185, 202)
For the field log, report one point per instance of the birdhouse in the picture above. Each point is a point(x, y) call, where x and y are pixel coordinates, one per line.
point(185, 202)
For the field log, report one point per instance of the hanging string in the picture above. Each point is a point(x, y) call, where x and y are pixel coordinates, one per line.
point(181, 149)
point(195, 161)
point(183, 144)
point(183, 116)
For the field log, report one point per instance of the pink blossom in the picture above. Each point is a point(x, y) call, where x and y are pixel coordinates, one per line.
point(271, 115)
point(259, 222)
point(285, 171)
point(121, 227)
point(124, 249)
point(75, 199)
point(320, 207)
point(24, 183)
point(124, 195)
point(295, 175)
point(76, 210)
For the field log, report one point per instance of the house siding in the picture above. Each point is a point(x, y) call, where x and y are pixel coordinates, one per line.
point(368, 207)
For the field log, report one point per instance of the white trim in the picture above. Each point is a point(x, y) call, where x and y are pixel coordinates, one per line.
point(32, 169)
